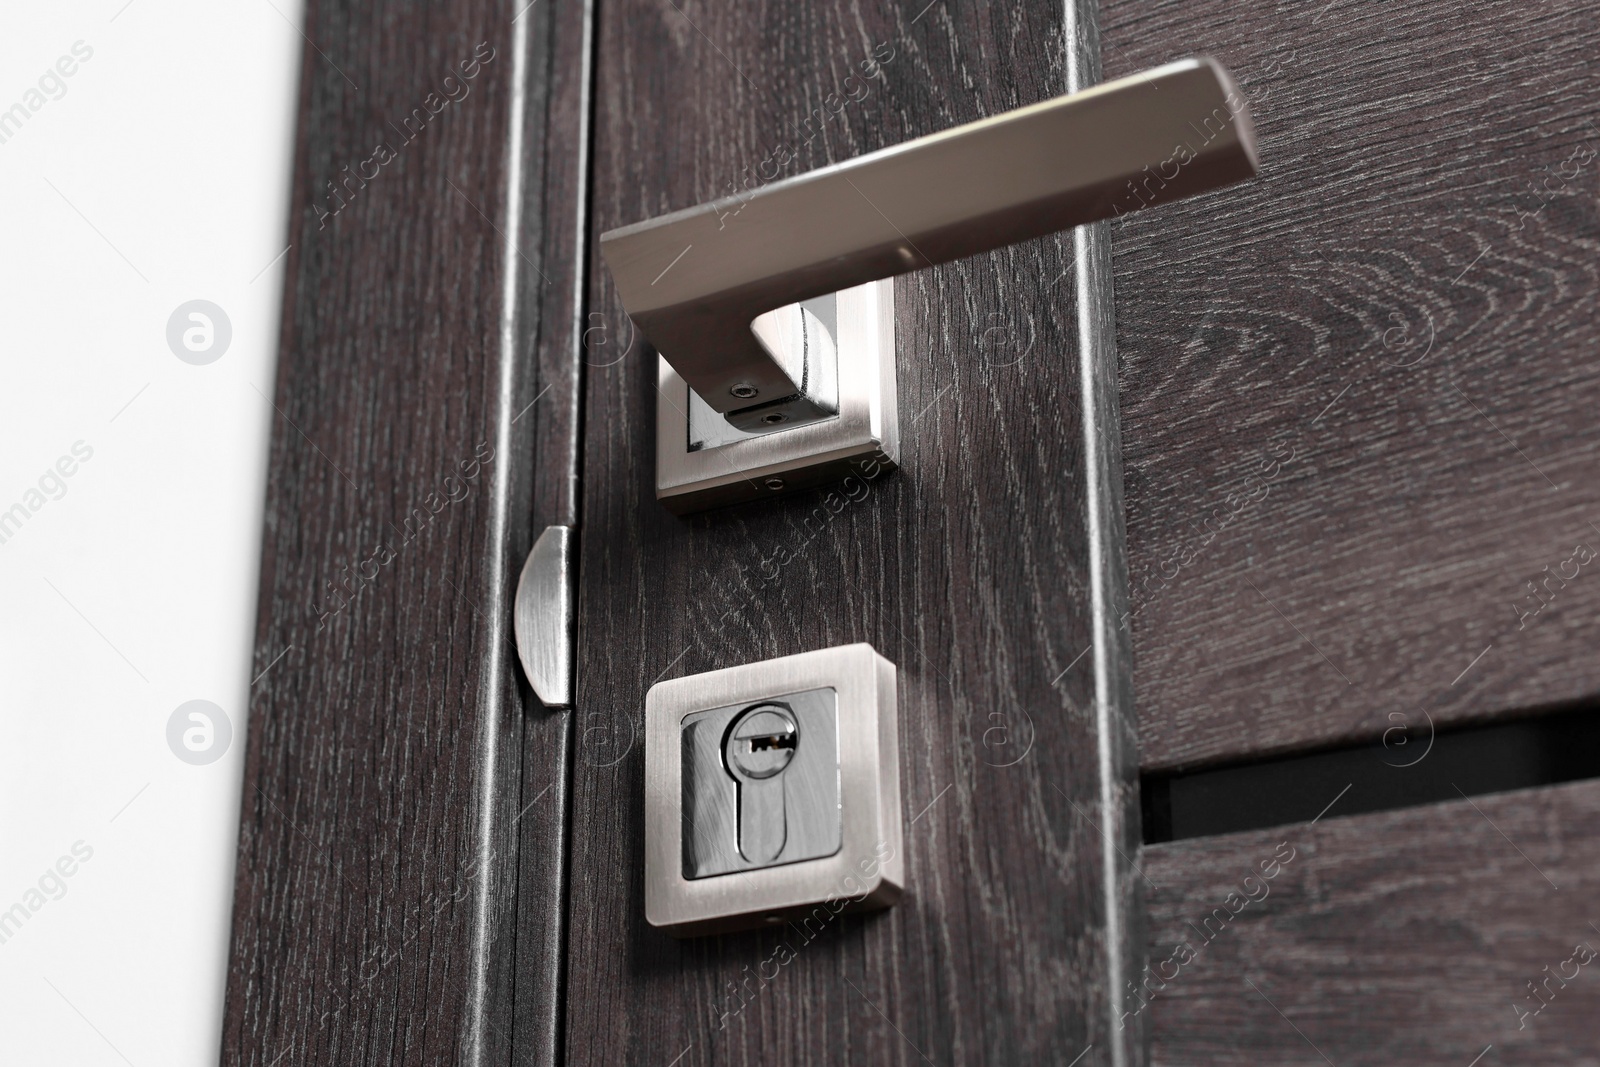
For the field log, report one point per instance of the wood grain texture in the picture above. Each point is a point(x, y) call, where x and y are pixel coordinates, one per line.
point(969, 568)
point(388, 908)
point(1406, 937)
point(1359, 393)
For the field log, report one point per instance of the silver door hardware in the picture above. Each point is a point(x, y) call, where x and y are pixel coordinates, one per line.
point(541, 617)
point(724, 290)
point(772, 790)
point(759, 748)
point(761, 783)
point(703, 461)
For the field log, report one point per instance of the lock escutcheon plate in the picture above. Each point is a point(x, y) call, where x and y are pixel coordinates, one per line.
point(864, 870)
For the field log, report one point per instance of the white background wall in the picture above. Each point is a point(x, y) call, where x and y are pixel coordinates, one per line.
point(159, 176)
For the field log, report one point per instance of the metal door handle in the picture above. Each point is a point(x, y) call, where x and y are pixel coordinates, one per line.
point(713, 287)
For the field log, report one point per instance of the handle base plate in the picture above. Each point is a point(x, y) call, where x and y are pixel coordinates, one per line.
point(702, 462)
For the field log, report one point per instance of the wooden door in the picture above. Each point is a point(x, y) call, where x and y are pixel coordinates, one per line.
point(983, 568)
point(384, 911)
point(1357, 398)
point(1353, 400)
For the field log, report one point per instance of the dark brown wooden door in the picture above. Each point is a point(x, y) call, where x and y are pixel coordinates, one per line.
point(1358, 400)
point(385, 911)
point(1354, 403)
point(977, 568)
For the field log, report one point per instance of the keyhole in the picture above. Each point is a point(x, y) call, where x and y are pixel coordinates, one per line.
point(761, 742)
point(759, 745)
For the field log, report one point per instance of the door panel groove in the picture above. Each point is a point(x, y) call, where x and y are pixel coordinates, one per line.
point(1412, 763)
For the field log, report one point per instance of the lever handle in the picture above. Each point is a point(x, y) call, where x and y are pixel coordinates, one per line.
point(700, 283)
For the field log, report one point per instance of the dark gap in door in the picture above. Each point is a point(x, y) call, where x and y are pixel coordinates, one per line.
point(1409, 765)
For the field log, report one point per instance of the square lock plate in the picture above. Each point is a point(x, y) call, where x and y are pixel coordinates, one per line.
point(771, 790)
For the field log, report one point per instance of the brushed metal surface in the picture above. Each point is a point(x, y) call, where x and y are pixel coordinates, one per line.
point(807, 328)
point(542, 617)
point(698, 467)
point(702, 286)
point(716, 806)
point(867, 869)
